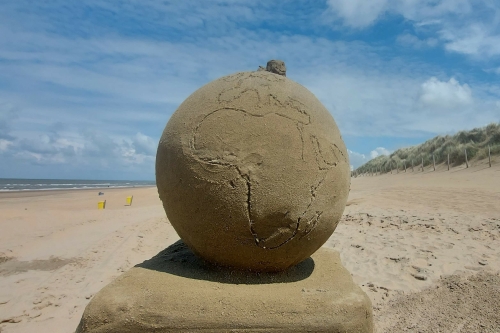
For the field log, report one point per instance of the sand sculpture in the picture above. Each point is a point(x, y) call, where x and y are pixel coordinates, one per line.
point(254, 177)
point(252, 171)
point(274, 66)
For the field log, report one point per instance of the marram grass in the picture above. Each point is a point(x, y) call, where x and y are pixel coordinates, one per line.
point(475, 141)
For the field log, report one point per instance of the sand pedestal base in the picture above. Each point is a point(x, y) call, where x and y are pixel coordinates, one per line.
point(177, 292)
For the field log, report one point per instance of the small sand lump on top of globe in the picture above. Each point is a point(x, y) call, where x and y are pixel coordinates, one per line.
point(253, 172)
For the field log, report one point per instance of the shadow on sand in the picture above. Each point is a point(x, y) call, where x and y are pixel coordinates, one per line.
point(178, 259)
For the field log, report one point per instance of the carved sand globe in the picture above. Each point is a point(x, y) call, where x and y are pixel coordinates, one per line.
point(252, 171)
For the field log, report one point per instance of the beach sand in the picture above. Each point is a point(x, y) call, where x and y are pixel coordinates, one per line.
point(402, 233)
point(425, 247)
point(63, 250)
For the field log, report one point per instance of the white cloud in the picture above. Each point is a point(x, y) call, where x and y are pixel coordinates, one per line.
point(7, 116)
point(4, 145)
point(443, 94)
point(476, 40)
point(145, 145)
point(362, 13)
point(358, 13)
point(356, 159)
point(465, 26)
point(87, 148)
point(414, 41)
point(379, 151)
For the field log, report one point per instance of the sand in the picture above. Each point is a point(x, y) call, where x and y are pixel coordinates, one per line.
point(64, 250)
point(424, 246)
point(258, 156)
point(177, 292)
point(401, 233)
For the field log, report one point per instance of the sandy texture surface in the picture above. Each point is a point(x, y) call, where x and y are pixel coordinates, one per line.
point(253, 172)
point(177, 292)
point(399, 235)
point(58, 250)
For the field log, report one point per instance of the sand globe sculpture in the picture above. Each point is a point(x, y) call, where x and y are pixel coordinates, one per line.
point(252, 171)
point(254, 177)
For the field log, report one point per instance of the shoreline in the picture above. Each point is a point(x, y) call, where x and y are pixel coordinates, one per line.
point(50, 191)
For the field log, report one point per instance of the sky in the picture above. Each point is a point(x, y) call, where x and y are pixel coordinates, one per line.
point(87, 86)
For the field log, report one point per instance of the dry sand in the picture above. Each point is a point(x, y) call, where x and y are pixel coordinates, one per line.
point(401, 233)
point(64, 251)
point(424, 246)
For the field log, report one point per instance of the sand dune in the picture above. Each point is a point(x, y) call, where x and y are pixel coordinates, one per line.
point(424, 246)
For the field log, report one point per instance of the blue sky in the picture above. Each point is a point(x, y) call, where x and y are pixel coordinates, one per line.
point(86, 87)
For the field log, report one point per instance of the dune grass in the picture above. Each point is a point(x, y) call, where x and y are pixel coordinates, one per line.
point(475, 141)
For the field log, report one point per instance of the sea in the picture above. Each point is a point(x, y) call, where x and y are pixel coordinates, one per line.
point(13, 184)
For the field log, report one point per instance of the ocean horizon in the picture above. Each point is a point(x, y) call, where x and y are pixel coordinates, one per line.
point(20, 184)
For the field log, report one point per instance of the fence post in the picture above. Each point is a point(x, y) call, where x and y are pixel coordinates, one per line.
point(405, 165)
point(397, 167)
point(489, 155)
point(434, 162)
point(422, 164)
point(448, 162)
point(412, 166)
point(466, 160)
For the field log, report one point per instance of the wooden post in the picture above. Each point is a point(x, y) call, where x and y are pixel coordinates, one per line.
point(412, 166)
point(489, 155)
point(448, 162)
point(422, 164)
point(466, 160)
point(405, 165)
point(397, 167)
point(434, 162)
